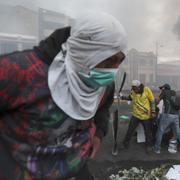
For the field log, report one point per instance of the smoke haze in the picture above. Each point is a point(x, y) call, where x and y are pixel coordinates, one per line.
point(146, 21)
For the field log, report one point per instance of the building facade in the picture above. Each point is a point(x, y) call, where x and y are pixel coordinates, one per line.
point(26, 27)
point(143, 66)
point(169, 73)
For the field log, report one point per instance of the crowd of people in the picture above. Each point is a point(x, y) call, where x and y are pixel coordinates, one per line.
point(156, 120)
point(54, 112)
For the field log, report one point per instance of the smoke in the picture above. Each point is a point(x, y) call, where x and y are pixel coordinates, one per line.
point(146, 21)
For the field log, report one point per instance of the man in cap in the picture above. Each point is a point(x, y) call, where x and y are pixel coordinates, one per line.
point(169, 118)
point(143, 106)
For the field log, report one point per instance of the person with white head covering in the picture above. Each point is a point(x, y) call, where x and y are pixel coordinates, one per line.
point(92, 41)
point(54, 111)
point(143, 107)
point(136, 83)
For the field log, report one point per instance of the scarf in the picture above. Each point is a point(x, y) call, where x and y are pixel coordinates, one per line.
point(94, 38)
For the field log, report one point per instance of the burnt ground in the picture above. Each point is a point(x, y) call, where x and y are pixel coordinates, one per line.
point(106, 164)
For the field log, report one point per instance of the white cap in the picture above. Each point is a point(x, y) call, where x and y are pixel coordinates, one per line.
point(136, 83)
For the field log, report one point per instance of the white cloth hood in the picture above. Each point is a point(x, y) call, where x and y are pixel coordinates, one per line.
point(94, 38)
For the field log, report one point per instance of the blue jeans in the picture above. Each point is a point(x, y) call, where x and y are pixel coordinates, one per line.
point(167, 120)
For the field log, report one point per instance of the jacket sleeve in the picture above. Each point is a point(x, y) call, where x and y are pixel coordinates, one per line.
point(51, 46)
point(128, 98)
point(102, 116)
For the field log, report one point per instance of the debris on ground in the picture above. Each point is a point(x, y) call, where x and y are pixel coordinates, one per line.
point(141, 174)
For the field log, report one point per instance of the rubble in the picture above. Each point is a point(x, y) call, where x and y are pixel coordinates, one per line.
point(141, 174)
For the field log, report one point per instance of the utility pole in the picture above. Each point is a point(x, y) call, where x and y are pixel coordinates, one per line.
point(157, 51)
point(156, 62)
point(157, 58)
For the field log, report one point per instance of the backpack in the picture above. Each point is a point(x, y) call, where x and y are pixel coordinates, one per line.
point(175, 100)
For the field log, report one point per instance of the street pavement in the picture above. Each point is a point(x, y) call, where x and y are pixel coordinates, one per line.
point(105, 163)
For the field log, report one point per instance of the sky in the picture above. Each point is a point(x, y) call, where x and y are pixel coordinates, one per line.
point(147, 22)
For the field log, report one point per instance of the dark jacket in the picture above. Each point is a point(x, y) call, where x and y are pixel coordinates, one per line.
point(166, 96)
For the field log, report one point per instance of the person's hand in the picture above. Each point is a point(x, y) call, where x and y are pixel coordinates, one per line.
point(153, 114)
point(95, 147)
point(120, 94)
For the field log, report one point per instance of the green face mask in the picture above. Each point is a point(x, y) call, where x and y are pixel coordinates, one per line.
point(99, 77)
